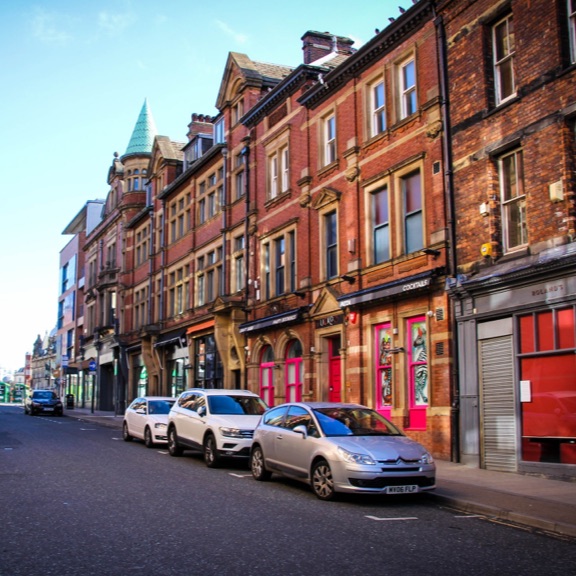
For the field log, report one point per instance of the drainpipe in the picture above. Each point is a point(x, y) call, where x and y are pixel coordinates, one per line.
point(451, 229)
point(160, 386)
point(224, 200)
point(246, 159)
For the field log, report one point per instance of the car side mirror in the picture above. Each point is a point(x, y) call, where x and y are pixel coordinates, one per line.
point(202, 411)
point(140, 410)
point(301, 429)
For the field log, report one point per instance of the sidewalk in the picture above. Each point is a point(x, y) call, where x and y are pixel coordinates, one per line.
point(540, 503)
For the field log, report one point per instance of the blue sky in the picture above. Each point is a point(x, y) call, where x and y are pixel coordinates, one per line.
point(73, 78)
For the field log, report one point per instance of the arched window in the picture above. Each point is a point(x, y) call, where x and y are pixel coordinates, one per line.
point(267, 375)
point(294, 371)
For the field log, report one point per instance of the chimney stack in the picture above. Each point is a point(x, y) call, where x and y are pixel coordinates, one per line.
point(316, 45)
point(201, 124)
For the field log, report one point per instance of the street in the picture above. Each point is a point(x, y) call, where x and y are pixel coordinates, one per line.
point(77, 500)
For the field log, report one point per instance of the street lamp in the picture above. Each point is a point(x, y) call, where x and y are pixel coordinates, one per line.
point(82, 351)
point(98, 346)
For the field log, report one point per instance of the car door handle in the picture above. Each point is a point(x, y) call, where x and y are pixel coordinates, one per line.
point(279, 437)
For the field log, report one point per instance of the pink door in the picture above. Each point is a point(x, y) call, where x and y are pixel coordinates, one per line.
point(334, 370)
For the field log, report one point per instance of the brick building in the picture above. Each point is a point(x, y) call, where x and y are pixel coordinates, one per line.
point(512, 116)
point(296, 245)
point(346, 290)
point(391, 225)
point(105, 268)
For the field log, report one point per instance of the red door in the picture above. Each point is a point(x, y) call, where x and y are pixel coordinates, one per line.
point(334, 370)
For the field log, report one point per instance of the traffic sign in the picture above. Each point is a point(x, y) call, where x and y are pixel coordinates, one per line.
point(92, 366)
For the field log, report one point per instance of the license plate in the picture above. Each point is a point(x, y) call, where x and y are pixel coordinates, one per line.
point(402, 489)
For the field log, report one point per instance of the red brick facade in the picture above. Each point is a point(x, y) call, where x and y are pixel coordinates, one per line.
point(336, 231)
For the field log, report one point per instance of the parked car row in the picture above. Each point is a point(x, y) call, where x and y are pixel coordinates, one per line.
point(333, 447)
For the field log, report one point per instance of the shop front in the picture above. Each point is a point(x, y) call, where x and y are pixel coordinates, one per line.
point(276, 357)
point(398, 355)
point(518, 366)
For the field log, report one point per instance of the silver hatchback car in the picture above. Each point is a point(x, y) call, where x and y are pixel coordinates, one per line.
point(339, 448)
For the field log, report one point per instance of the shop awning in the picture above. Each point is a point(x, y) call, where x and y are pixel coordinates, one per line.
point(405, 286)
point(200, 326)
point(273, 321)
point(170, 338)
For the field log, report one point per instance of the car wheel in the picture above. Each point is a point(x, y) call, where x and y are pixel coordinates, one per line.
point(322, 481)
point(173, 447)
point(211, 456)
point(125, 434)
point(257, 466)
point(148, 438)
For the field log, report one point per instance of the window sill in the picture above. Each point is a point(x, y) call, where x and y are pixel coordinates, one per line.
point(278, 199)
point(328, 168)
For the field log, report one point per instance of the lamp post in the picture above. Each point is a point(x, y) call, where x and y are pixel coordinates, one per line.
point(82, 351)
point(95, 381)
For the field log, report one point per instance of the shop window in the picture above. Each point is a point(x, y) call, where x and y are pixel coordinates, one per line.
point(177, 377)
point(548, 393)
point(418, 383)
point(141, 379)
point(294, 371)
point(267, 366)
point(207, 363)
point(384, 368)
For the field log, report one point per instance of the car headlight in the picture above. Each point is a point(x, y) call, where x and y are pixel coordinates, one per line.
point(427, 458)
point(231, 432)
point(160, 426)
point(354, 458)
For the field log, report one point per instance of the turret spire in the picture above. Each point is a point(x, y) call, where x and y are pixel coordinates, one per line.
point(144, 132)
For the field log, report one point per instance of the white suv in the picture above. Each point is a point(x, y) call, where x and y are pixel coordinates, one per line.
point(219, 423)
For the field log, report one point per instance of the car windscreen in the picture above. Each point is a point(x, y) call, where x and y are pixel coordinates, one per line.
point(159, 406)
point(248, 405)
point(43, 395)
point(346, 421)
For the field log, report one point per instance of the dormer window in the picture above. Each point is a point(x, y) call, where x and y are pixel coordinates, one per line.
point(219, 132)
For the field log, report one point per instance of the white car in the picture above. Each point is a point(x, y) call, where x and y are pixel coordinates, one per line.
point(337, 447)
point(147, 419)
point(217, 422)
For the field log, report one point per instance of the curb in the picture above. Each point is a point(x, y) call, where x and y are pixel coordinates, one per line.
point(557, 528)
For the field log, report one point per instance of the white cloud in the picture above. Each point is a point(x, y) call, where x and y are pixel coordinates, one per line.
point(50, 27)
point(113, 24)
point(237, 36)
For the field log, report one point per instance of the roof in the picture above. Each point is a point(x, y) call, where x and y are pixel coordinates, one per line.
point(144, 132)
point(259, 74)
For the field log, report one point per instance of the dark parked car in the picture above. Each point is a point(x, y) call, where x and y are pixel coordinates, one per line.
point(43, 402)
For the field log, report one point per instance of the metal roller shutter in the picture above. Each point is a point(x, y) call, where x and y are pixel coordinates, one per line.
point(499, 435)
